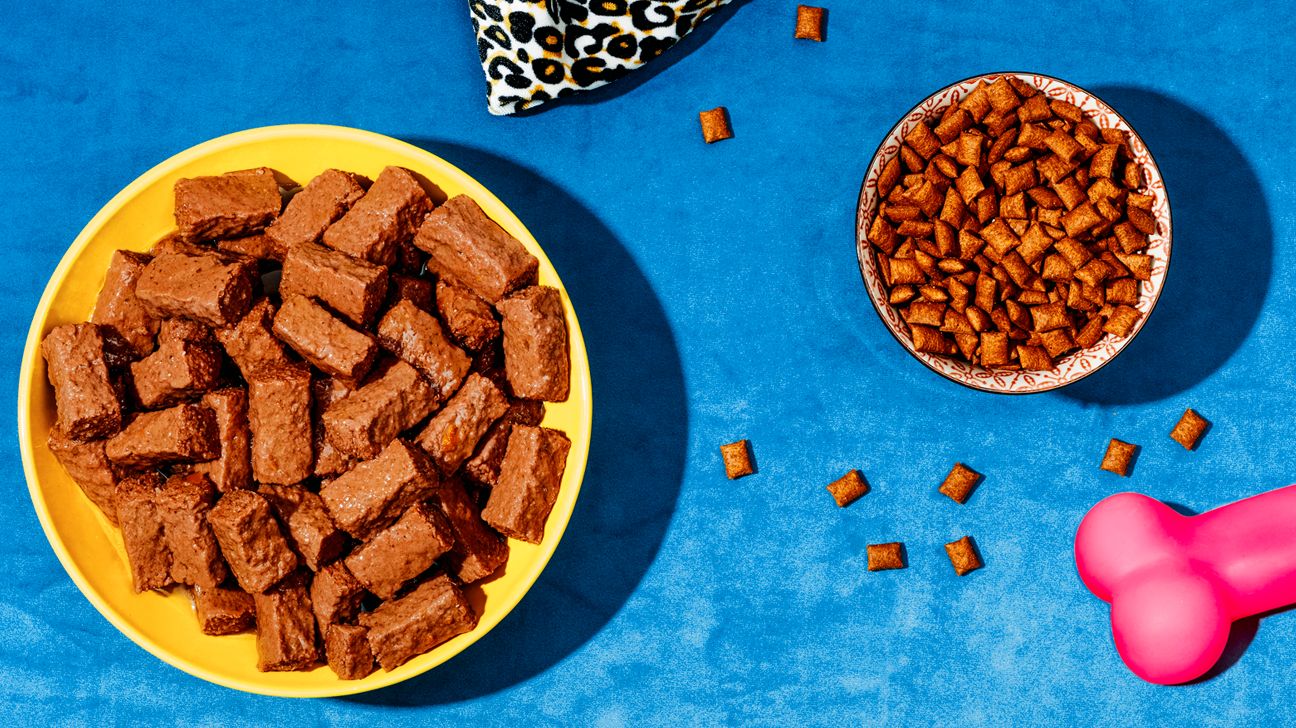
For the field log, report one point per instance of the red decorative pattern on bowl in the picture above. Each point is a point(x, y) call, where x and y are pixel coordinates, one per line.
point(1078, 364)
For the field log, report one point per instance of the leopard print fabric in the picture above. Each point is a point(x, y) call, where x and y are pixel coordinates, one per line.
point(535, 51)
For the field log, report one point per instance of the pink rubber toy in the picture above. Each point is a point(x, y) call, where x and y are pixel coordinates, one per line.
point(1176, 583)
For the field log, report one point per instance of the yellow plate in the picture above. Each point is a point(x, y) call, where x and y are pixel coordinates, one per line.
point(91, 549)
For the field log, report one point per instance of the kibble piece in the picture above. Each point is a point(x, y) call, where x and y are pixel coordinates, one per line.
point(1119, 457)
point(884, 556)
point(715, 125)
point(1122, 321)
point(1189, 430)
point(963, 556)
point(960, 483)
point(737, 459)
point(810, 23)
point(848, 488)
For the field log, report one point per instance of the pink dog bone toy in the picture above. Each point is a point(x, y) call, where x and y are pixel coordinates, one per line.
point(1176, 583)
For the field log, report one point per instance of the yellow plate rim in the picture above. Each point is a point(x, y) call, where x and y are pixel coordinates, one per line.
point(558, 520)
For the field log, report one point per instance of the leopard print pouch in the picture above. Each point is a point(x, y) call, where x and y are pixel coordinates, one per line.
point(535, 51)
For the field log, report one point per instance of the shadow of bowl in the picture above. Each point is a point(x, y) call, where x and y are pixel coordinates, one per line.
point(1223, 255)
point(637, 447)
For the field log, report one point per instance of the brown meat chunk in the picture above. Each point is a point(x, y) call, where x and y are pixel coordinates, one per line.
point(478, 551)
point(353, 288)
point(388, 213)
point(286, 627)
point(279, 405)
point(184, 433)
point(88, 466)
point(328, 459)
point(336, 595)
point(415, 336)
point(483, 467)
point(209, 288)
point(402, 551)
point(187, 362)
point(250, 538)
point(251, 344)
point(410, 288)
point(142, 532)
point(407, 627)
point(535, 344)
point(469, 318)
point(309, 213)
point(117, 307)
point(529, 481)
point(373, 494)
point(84, 396)
point(368, 419)
point(452, 435)
point(258, 246)
point(471, 247)
point(227, 206)
point(310, 530)
point(232, 468)
point(347, 648)
point(323, 339)
point(183, 505)
point(223, 610)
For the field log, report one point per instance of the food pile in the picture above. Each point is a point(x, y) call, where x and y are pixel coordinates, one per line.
point(1013, 230)
point(321, 419)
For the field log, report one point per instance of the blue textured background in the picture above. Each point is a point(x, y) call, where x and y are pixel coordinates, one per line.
point(719, 293)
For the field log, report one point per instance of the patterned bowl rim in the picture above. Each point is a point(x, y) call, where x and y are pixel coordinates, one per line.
point(862, 245)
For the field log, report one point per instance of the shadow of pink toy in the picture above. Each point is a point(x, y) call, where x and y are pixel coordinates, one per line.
point(1176, 583)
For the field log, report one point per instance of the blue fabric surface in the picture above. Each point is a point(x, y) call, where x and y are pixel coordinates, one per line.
point(718, 290)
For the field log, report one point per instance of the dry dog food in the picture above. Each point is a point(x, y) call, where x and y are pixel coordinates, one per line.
point(963, 556)
point(1012, 230)
point(848, 488)
point(960, 483)
point(737, 459)
point(885, 556)
point(330, 460)
point(1119, 457)
point(715, 125)
point(811, 23)
point(1189, 429)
